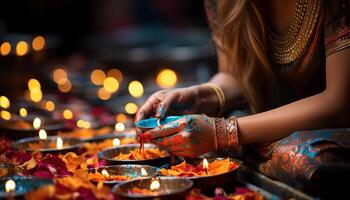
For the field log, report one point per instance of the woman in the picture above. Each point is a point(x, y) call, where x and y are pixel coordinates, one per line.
point(290, 62)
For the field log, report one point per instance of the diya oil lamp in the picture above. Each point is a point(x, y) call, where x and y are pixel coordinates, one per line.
point(115, 174)
point(153, 188)
point(48, 144)
point(124, 154)
point(206, 172)
point(17, 186)
point(152, 123)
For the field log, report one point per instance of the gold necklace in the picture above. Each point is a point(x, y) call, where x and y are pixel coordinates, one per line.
point(287, 47)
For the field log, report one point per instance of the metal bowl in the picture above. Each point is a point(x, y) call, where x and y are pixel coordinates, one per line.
point(133, 171)
point(74, 144)
point(102, 138)
point(9, 129)
point(216, 180)
point(23, 186)
point(151, 123)
point(170, 188)
point(109, 154)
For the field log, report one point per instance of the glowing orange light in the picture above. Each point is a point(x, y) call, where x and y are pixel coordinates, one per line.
point(36, 95)
point(23, 112)
point(5, 115)
point(22, 48)
point(121, 118)
point(103, 94)
point(166, 78)
point(59, 74)
point(64, 85)
point(135, 89)
point(131, 108)
point(5, 48)
point(50, 106)
point(67, 114)
point(38, 43)
point(111, 84)
point(33, 83)
point(115, 73)
point(4, 102)
point(97, 77)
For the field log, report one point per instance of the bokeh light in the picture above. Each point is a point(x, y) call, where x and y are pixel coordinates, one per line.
point(166, 78)
point(23, 112)
point(115, 73)
point(59, 74)
point(119, 126)
point(5, 48)
point(64, 85)
point(38, 43)
point(50, 106)
point(135, 89)
point(33, 83)
point(36, 95)
point(6, 115)
point(97, 77)
point(67, 114)
point(121, 118)
point(131, 108)
point(111, 84)
point(4, 102)
point(22, 48)
point(103, 94)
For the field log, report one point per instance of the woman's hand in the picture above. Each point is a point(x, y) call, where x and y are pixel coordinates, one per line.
point(179, 101)
point(190, 136)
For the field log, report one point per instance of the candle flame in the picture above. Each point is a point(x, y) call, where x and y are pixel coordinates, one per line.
point(10, 186)
point(105, 173)
point(36, 123)
point(119, 126)
point(116, 142)
point(144, 172)
point(59, 143)
point(205, 164)
point(42, 134)
point(155, 185)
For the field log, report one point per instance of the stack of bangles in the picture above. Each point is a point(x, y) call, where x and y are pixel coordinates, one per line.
point(226, 130)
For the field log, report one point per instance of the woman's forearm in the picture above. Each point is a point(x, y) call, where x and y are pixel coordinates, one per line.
point(315, 112)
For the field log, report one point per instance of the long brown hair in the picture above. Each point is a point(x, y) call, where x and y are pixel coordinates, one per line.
point(243, 39)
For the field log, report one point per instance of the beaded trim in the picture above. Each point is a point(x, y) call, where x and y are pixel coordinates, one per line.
point(287, 47)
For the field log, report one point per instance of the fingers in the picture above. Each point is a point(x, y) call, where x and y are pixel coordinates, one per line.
point(147, 108)
point(163, 106)
point(164, 130)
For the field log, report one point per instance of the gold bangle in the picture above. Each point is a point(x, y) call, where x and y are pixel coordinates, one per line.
point(232, 132)
point(220, 94)
point(220, 132)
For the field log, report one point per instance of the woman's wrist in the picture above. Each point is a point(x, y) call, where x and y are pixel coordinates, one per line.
point(207, 100)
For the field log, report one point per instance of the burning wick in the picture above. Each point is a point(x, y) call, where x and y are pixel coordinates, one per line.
point(59, 143)
point(10, 186)
point(144, 172)
point(205, 166)
point(36, 123)
point(155, 185)
point(105, 173)
point(116, 142)
point(42, 134)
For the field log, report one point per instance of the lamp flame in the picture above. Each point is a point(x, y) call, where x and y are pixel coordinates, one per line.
point(144, 172)
point(59, 143)
point(205, 165)
point(42, 134)
point(36, 123)
point(10, 186)
point(155, 185)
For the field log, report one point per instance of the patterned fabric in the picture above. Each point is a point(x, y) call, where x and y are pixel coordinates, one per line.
point(307, 155)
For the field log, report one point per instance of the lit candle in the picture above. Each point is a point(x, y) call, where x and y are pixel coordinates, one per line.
point(144, 172)
point(42, 134)
point(155, 185)
point(116, 142)
point(36, 123)
point(10, 186)
point(59, 143)
point(205, 166)
point(119, 126)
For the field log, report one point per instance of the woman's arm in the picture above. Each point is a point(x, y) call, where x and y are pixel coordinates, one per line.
point(325, 110)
